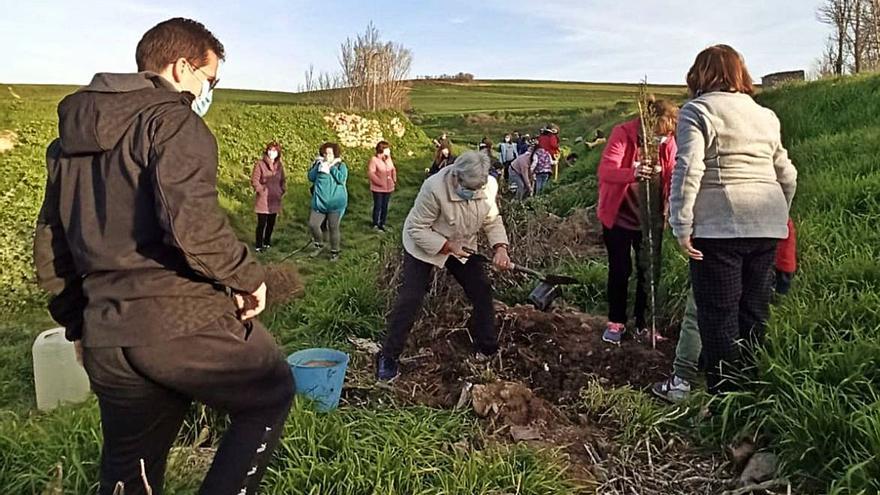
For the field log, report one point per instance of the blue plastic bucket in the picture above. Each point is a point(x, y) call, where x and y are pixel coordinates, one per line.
point(319, 375)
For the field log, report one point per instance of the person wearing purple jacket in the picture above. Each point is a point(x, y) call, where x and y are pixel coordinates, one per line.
point(269, 184)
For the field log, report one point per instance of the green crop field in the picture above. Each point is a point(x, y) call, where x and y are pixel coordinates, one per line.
point(816, 403)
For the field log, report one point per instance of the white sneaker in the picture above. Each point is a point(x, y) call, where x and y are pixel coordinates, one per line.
point(673, 389)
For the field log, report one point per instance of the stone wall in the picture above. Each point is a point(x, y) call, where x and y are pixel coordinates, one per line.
point(780, 78)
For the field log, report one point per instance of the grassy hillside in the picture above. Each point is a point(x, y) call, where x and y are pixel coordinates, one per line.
point(816, 403)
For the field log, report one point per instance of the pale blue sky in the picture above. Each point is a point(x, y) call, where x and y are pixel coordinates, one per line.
point(270, 43)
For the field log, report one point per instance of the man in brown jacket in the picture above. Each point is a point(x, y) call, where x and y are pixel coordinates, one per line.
point(145, 270)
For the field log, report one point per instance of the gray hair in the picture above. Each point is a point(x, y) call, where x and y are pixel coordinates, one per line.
point(472, 169)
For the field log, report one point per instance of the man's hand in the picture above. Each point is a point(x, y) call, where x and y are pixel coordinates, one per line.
point(251, 305)
point(688, 248)
point(502, 259)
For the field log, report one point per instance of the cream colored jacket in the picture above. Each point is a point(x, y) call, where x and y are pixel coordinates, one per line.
point(439, 215)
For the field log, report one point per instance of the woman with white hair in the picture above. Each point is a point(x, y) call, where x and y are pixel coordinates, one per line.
point(451, 208)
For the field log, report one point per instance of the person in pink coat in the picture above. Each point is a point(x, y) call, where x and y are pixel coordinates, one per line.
point(269, 185)
point(383, 179)
point(620, 172)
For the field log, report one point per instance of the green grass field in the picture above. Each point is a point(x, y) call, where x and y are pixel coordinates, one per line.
point(816, 402)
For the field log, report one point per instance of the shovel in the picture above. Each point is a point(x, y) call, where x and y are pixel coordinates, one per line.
point(546, 292)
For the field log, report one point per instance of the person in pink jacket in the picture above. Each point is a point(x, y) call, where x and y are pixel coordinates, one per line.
point(383, 179)
point(620, 172)
point(269, 184)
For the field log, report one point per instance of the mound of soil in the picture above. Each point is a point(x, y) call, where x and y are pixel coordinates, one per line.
point(554, 354)
point(283, 283)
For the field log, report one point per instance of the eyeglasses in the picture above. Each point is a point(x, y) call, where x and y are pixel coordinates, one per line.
point(212, 81)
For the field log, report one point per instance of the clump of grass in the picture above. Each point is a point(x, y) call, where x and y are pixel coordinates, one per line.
point(393, 451)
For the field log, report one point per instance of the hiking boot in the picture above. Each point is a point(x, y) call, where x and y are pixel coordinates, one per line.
point(334, 256)
point(613, 333)
point(258, 249)
point(673, 389)
point(387, 368)
point(318, 249)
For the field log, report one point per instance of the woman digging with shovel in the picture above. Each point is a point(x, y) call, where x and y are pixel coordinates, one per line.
point(451, 208)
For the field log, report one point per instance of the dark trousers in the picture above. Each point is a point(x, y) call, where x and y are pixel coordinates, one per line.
point(265, 226)
point(732, 289)
point(507, 169)
point(144, 393)
point(380, 208)
point(621, 245)
point(416, 280)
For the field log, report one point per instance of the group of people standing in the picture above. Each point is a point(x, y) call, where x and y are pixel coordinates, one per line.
point(328, 176)
point(527, 164)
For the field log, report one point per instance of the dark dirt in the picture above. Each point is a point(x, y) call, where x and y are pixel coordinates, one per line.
point(554, 354)
point(283, 283)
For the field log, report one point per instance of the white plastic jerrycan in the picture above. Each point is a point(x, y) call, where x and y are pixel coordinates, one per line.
point(58, 377)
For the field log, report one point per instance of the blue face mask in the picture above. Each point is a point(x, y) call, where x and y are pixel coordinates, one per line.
point(202, 102)
point(465, 193)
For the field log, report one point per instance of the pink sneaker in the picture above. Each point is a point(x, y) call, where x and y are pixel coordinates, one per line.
point(614, 333)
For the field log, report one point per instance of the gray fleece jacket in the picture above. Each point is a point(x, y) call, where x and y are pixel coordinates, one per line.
point(732, 176)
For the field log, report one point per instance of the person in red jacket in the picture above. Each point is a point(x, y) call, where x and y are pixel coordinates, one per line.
point(549, 140)
point(619, 172)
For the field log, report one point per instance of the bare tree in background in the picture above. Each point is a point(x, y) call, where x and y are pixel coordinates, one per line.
point(836, 13)
point(854, 42)
point(375, 72)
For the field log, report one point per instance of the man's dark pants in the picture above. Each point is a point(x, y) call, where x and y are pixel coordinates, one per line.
point(145, 392)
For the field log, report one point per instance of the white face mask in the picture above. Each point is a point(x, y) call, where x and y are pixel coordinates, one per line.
point(273, 154)
point(202, 102)
point(387, 152)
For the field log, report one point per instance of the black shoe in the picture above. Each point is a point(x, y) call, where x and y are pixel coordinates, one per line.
point(258, 249)
point(387, 368)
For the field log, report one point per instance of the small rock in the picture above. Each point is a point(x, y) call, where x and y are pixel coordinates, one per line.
point(364, 345)
point(524, 433)
point(740, 454)
point(465, 397)
point(761, 467)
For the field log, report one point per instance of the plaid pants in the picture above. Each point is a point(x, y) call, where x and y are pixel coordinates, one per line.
point(732, 291)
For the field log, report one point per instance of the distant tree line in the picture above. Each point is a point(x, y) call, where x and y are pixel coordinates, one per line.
point(854, 42)
point(461, 77)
